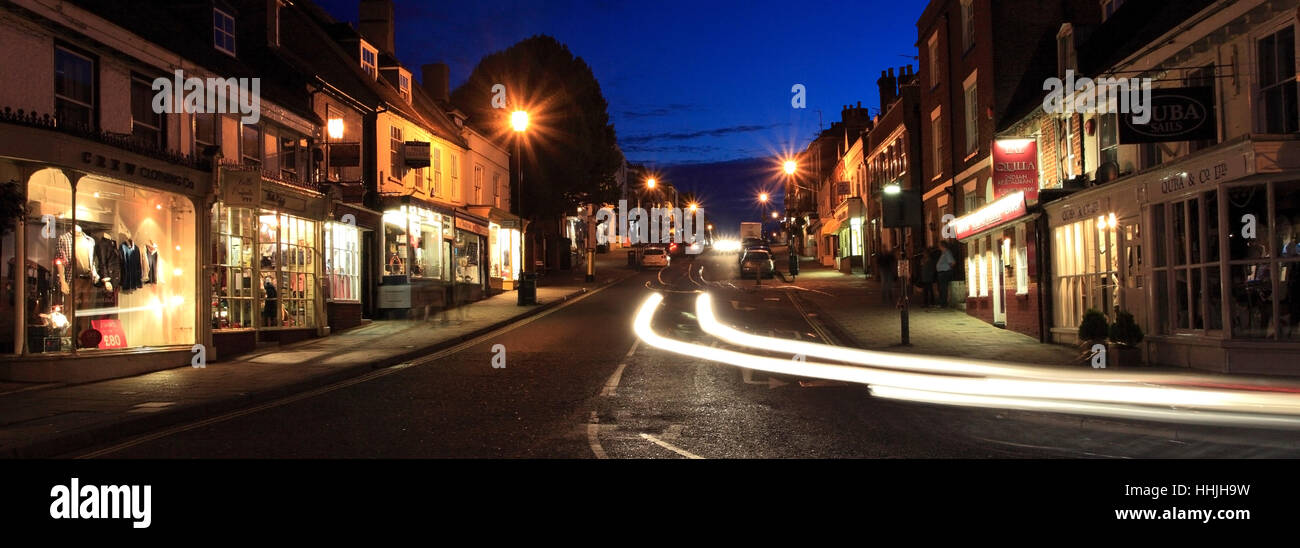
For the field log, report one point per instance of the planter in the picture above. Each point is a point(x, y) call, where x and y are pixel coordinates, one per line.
point(1122, 356)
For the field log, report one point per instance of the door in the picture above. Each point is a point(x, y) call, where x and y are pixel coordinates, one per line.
point(1132, 285)
point(998, 258)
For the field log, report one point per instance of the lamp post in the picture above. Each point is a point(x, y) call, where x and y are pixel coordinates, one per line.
point(527, 284)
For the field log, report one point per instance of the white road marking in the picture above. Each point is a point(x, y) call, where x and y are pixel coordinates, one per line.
point(671, 447)
point(611, 385)
point(593, 436)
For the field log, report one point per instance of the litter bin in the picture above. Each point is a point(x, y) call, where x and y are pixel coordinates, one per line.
point(794, 263)
point(631, 258)
point(527, 288)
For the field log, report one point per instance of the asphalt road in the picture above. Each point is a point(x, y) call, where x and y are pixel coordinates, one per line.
point(576, 384)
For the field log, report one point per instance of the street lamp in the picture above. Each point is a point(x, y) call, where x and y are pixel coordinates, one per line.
point(762, 197)
point(774, 215)
point(519, 123)
point(790, 167)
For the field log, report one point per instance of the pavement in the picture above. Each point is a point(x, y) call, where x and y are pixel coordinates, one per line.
point(41, 420)
point(853, 309)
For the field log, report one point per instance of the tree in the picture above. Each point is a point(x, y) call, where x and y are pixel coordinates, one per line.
point(569, 153)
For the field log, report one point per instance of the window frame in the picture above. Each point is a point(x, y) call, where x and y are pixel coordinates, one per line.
point(219, 32)
point(93, 106)
point(970, 102)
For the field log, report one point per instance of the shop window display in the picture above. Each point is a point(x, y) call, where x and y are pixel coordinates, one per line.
point(343, 262)
point(288, 270)
point(115, 273)
point(413, 243)
point(467, 253)
point(234, 293)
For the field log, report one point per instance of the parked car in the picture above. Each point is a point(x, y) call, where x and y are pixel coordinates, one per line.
point(757, 262)
point(755, 244)
point(655, 256)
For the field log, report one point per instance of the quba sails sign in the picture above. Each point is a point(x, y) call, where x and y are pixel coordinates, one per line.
point(1177, 114)
point(1015, 167)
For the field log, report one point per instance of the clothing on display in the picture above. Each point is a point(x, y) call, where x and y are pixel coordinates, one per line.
point(107, 262)
point(132, 268)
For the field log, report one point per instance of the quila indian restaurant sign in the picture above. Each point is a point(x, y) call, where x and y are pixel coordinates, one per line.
point(1015, 167)
point(1006, 208)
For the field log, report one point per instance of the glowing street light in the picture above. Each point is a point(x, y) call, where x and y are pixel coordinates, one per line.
point(762, 197)
point(790, 167)
point(774, 215)
point(693, 207)
point(519, 120)
point(650, 183)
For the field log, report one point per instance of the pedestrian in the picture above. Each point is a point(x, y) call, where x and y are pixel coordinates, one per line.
point(888, 276)
point(929, 275)
point(943, 271)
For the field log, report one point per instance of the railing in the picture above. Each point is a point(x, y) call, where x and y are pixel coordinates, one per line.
point(287, 178)
point(116, 140)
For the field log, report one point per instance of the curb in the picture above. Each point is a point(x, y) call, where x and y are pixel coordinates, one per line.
point(63, 443)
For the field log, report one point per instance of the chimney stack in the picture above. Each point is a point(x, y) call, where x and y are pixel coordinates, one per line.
point(436, 80)
point(888, 85)
point(376, 18)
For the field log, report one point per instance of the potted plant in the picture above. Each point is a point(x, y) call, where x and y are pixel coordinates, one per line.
point(1093, 330)
point(1125, 335)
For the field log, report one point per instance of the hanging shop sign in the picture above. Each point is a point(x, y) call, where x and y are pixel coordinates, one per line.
point(1015, 167)
point(841, 188)
point(345, 154)
point(1176, 114)
point(1007, 208)
point(448, 227)
point(416, 153)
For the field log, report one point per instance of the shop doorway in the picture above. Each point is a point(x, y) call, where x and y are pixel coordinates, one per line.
point(1132, 288)
point(998, 261)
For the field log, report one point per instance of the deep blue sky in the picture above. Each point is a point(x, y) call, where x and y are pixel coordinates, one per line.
point(690, 84)
point(687, 81)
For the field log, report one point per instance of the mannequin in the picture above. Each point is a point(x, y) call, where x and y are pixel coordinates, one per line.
point(150, 258)
point(108, 262)
point(132, 273)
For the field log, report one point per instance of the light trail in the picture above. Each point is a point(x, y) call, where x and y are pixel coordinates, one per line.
point(1097, 396)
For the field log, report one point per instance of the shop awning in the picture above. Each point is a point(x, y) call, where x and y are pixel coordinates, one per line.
point(498, 216)
point(830, 227)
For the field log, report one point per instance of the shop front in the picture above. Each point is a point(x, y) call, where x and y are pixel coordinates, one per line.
point(504, 247)
point(1097, 257)
point(349, 237)
point(1202, 251)
point(266, 265)
point(100, 277)
point(417, 252)
point(1001, 243)
point(851, 246)
point(469, 256)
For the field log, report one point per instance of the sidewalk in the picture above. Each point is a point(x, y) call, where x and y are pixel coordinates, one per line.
point(852, 307)
point(50, 420)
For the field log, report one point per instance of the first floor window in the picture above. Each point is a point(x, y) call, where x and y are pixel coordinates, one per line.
point(74, 89)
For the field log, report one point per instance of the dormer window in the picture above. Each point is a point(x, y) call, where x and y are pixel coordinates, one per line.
point(223, 31)
point(369, 60)
point(404, 85)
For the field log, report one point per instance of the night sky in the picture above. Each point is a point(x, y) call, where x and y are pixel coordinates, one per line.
point(688, 82)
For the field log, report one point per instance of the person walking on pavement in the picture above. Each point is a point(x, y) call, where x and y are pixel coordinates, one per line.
point(888, 276)
point(929, 276)
point(943, 271)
